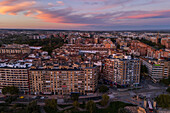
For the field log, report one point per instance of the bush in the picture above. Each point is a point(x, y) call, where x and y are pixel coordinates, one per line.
point(163, 101)
point(75, 96)
point(32, 107)
point(165, 81)
point(105, 100)
point(103, 89)
point(10, 89)
point(10, 99)
point(51, 103)
point(76, 104)
point(91, 106)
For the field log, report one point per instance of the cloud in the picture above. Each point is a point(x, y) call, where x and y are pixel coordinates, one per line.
point(147, 15)
point(6, 2)
point(97, 12)
point(60, 2)
point(15, 8)
point(64, 16)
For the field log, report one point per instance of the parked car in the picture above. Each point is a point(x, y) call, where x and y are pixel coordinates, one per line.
point(34, 97)
point(21, 97)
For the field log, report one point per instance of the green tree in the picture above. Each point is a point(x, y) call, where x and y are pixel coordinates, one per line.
point(32, 107)
point(75, 96)
point(163, 101)
point(51, 103)
point(91, 106)
point(103, 89)
point(76, 104)
point(10, 90)
point(105, 100)
point(144, 69)
point(165, 81)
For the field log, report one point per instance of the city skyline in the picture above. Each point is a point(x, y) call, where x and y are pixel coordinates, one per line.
point(85, 14)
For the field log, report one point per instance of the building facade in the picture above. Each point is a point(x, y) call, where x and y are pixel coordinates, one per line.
point(17, 77)
point(14, 51)
point(122, 70)
point(63, 81)
point(157, 69)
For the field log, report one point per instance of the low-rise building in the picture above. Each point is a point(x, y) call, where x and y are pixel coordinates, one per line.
point(157, 69)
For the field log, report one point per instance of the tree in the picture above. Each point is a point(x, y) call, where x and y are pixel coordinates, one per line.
point(83, 104)
point(165, 81)
point(51, 103)
point(113, 40)
point(91, 106)
point(123, 110)
point(144, 69)
point(76, 104)
point(67, 111)
point(103, 89)
point(32, 107)
point(10, 99)
point(163, 101)
point(105, 100)
point(10, 90)
point(168, 89)
point(118, 46)
point(75, 96)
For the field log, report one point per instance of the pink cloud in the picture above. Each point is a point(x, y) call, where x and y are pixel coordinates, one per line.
point(14, 9)
point(6, 2)
point(60, 2)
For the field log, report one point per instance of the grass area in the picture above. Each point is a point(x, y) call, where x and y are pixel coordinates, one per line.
point(113, 108)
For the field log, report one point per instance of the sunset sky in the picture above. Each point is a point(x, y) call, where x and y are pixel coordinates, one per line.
point(85, 14)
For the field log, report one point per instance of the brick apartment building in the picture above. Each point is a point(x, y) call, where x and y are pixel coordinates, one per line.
point(17, 77)
point(63, 80)
point(122, 70)
point(14, 51)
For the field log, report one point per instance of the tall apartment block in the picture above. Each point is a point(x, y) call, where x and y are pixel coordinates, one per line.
point(122, 70)
point(63, 80)
point(15, 76)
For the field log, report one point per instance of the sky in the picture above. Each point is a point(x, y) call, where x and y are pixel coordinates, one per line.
point(85, 14)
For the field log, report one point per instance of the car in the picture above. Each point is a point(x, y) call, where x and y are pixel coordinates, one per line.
point(42, 97)
point(34, 97)
point(21, 97)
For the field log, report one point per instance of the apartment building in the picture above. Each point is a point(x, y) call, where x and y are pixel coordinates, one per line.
point(14, 51)
point(166, 42)
point(122, 70)
point(157, 69)
point(15, 73)
point(63, 80)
